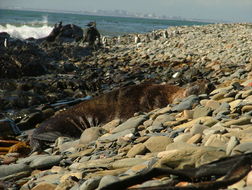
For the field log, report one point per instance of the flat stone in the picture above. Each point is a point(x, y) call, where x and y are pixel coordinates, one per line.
point(111, 125)
point(157, 143)
point(218, 96)
point(108, 179)
point(246, 108)
point(198, 129)
point(137, 149)
point(114, 172)
point(186, 104)
point(247, 93)
point(217, 128)
point(147, 123)
point(212, 104)
point(179, 145)
point(188, 114)
point(78, 175)
point(113, 137)
point(201, 111)
point(43, 186)
point(130, 123)
point(216, 140)
point(136, 169)
point(221, 90)
point(45, 162)
point(234, 104)
point(223, 109)
point(90, 184)
point(233, 141)
point(210, 122)
point(162, 119)
point(242, 148)
point(227, 100)
point(68, 145)
point(6, 170)
point(194, 139)
point(105, 162)
point(182, 137)
point(188, 157)
point(127, 162)
point(240, 121)
point(194, 121)
point(90, 134)
point(83, 153)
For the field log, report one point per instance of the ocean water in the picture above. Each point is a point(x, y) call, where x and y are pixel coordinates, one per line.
point(25, 24)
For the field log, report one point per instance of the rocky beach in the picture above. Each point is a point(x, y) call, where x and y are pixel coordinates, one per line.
point(39, 78)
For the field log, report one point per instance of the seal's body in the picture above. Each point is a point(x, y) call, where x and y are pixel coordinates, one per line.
point(121, 103)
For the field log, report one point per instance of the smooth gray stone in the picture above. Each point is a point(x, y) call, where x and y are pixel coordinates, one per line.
point(90, 184)
point(115, 136)
point(107, 179)
point(186, 103)
point(45, 162)
point(130, 123)
point(233, 141)
point(6, 170)
point(29, 159)
point(243, 148)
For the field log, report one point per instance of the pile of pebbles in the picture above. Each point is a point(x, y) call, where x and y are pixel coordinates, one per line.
point(189, 133)
point(192, 132)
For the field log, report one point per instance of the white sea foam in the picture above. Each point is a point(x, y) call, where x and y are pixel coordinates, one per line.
point(27, 31)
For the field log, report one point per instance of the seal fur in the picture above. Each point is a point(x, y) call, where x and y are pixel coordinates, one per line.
point(121, 103)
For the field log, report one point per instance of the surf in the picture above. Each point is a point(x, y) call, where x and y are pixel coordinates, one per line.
point(33, 29)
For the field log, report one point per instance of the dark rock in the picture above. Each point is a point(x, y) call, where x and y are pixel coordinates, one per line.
point(30, 121)
point(69, 67)
point(33, 69)
point(8, 129)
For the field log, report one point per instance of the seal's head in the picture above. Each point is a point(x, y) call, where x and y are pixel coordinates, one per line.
point(199, 87)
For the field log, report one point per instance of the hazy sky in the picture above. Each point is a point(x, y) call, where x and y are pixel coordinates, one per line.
point(227, 10)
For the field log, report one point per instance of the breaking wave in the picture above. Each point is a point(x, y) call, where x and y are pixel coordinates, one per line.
point(35, 29)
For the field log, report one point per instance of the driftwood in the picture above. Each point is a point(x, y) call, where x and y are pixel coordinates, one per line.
point(229, 169)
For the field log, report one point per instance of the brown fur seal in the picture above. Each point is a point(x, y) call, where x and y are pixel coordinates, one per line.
point(121, 103)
